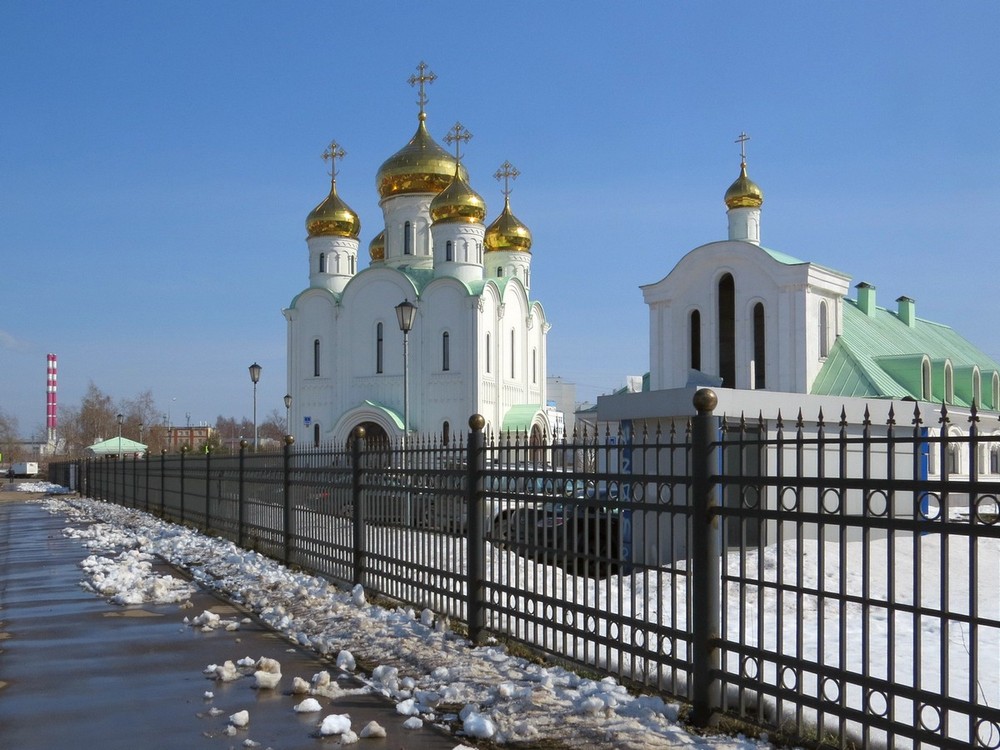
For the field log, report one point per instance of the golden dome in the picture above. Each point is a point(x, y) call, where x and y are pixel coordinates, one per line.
point(744, 193)
point(376, 248)
point(507, 233)
point(458, 203)
point(333, 217)
point(421, 166)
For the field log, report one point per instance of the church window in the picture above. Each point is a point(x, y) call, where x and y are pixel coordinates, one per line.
point(527, 277)
point(824, 330)
point(695, 340)
point(513, 342)
point(445, 351)
point(353, 267)
point(407, 240)
point(727, 330)
point(336, 261)
point(315, 358)
point(448, 251)
point(487, 352)
point(759, 348)
point(316, 435)
point(925, 381)
point(953, 459)
point(322, 262)
point(534, 365)
point(995, 461)
point(445, 433)
point(949, 384)
point(378, 348)
point(499, 273)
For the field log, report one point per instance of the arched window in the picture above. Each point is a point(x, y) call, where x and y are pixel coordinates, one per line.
point(353, 264)
point(445, 351)
point(322, 262)
point(445, 433)
point(995, 460)
point(407, 241)
point(534, 365)
point(448, 253)
point(949, 384)
point(925, 381)
point(316, 435)
point(824, 330)
point(694, 337)
point(487, 352)
point(336, 263)
point(759, 348)
point(378, 348)
point(315, 358)
point(499, 273)
point(513, 369)
point(727, 331)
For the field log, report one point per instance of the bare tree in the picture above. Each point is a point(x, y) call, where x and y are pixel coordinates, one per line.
point(8, 437)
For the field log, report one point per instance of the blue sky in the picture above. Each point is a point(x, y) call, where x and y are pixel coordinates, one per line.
point(158, 160)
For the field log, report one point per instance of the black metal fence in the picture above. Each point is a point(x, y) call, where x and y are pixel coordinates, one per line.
point(838, 583)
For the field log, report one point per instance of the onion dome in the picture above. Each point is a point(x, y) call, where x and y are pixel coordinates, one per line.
point(507, 233)
point(458, 203)
point(421, 166)
point(376, 248)
point(333, 218)
point(744, 193)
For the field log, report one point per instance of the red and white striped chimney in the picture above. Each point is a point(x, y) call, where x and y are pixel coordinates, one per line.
point(50, 400)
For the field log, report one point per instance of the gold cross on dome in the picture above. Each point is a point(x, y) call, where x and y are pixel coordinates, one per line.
point(742, 140)
point(332, 153)
point(426, 76)
point(458, 135)
point(507, 172)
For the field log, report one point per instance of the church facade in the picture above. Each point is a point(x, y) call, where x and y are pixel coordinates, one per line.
point(478, 339)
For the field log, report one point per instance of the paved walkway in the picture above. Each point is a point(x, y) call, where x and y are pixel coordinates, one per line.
point(78, 672)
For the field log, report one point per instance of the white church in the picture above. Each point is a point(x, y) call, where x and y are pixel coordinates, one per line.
point(477, 339)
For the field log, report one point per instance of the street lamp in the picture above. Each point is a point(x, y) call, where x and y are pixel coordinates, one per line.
point(140, 431)
point(288, 413)
point(254, 377)
point(406, 311)
point(121, 419)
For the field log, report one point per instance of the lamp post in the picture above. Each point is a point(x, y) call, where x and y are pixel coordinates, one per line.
point(140, 431)
point(406, 311)
point(254, 377)
point(121, 419)
point(288, 413)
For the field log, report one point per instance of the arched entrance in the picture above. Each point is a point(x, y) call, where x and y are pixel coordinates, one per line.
point(375, 434)
point(537, 443)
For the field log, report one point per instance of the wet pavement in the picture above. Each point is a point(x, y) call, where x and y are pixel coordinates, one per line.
point(79, 672)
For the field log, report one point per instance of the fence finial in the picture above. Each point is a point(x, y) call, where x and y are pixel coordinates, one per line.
point(705, 400)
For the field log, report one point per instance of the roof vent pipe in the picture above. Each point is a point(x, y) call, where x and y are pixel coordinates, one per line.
point(907, 311)
point(866, 298)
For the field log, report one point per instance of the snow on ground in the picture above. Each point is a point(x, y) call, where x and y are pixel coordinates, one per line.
point(431, 673)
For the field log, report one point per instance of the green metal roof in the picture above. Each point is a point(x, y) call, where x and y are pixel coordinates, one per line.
point(115, 445)
point(880, 356)
point(519, 417)
point(391, 413)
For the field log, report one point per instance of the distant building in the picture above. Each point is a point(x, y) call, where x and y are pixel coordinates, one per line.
point(190, 435)
point(478, 341)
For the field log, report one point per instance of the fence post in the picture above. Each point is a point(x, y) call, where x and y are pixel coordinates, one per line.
point(208, 487)
point(705, 561)
point(240, 495)
point(476, 530)
point(287, 492)
point(360, 543)
point(146, 461)
point(163, 481)
point(184, 451)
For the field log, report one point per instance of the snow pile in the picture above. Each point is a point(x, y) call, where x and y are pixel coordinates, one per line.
point(424, 668)
point(47, 487)
point(128, 578)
